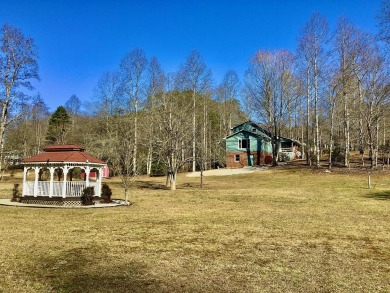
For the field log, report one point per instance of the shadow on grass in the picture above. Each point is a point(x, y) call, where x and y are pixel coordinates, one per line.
point(385, 195)
point(150, 185)
point(87, 270)
point(157, 186)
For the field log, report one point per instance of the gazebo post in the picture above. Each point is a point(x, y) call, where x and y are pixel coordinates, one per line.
point(99, 185)
point(87, 171)
point(24, 181)
point(65, 171)
point(36, 181)
point(51, 186)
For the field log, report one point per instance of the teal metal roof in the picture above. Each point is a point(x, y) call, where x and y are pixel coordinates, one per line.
point(261, 135)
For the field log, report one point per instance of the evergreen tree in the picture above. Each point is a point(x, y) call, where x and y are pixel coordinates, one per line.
point(58, 126)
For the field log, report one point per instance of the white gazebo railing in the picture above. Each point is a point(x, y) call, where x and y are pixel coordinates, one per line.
point(73, 188)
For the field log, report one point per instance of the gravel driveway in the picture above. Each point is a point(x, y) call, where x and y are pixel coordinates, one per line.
point(226, 171)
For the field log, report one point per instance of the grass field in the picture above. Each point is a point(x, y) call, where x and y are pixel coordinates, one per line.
point(281, 230)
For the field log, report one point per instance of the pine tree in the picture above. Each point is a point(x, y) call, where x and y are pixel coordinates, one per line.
point(58, 126)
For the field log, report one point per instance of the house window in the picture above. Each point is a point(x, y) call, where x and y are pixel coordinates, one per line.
point(236, 158)
point(244, 143)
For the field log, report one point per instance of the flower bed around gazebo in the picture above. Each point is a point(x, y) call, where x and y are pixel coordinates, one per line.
point(60, 174)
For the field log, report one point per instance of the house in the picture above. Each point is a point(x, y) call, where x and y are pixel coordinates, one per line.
point(250, 144)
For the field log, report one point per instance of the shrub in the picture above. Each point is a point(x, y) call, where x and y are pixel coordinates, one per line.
point(338, 155)
point(15, 193)
point(283, 157)
point(158, 169)
point(106, 193)
point(88, 195)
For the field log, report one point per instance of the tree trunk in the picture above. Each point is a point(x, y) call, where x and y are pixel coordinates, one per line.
point(201, 178)
point(346, 130)
point(172, 180)
point(127, 195)
point(3, 123)
point(135, 137)
point(331, 142)
point(370, 141)
point(376, 150)
point(167, 181)
point(194, 132)
point(361, 147)
point(317, 134)
point(308, 155)
point(149, 160)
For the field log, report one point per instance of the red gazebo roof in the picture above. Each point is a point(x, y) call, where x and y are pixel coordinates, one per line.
point(67, 153)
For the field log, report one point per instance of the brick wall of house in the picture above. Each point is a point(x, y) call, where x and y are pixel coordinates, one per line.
point(260, 158)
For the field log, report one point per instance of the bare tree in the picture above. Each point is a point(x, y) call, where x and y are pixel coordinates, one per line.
point(331, 108)
point(384, 21)
point(312, 50)
point(229, 93)
point(73, 105)
point(133, 69)
point(376, 84)
point(361, 59)
point(40, 113)
point(350, 51)
point(259, 86)
point(174, 139)
point(123, 158)
point(344, 39)
point(107, 105)
point(18, 66)
point(156, 86)
point(271, 87)
point(195, 77)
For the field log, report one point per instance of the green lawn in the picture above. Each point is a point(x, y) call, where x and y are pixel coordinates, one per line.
point(281, 230)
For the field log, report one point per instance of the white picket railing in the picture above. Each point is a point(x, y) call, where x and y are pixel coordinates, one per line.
point(28, 188)
point(73, 188)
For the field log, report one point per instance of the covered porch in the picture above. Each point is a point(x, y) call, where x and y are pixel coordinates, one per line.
point(290, 148)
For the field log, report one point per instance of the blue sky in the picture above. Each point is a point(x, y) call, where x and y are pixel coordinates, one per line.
point(80, 40)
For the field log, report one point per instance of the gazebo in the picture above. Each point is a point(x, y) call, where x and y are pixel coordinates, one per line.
point(60, 174)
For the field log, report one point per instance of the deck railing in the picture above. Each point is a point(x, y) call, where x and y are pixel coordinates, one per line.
point(73, 188)
point(286, 150)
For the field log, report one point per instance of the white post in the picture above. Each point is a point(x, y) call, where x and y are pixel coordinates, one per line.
point(65, 172)
point(24, 180)
point(51, 186)
point(36, 181)
point(87, 171)
point(99, 183)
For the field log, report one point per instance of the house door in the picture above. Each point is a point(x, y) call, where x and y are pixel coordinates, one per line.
point(251, 160)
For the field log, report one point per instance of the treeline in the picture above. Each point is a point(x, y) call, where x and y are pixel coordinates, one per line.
point(332, 94)
point(142, 120)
